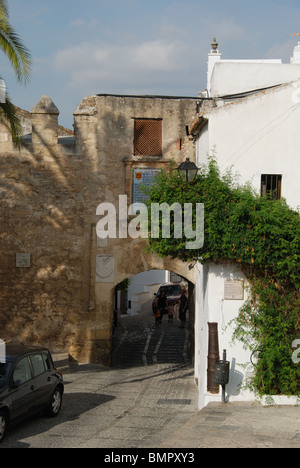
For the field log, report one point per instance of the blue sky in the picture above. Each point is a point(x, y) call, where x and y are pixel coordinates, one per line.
point(83, 47)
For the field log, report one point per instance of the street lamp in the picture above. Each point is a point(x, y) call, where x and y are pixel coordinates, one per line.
point(188, 170)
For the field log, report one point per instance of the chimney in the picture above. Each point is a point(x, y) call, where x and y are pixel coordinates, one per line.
point(45, 122)
point(213, 57)
point(296, 57)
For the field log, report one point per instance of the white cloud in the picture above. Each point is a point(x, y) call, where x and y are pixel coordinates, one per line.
point(81, 23)
point(77, 23)
point(80, 56)
point(283, 50)
point(88, 63)
point(157, 55)
point(228, 31)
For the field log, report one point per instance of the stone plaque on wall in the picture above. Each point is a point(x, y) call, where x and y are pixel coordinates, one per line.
point(102, 242)
point(23, 260)
point(105, 269)
point(234, 290)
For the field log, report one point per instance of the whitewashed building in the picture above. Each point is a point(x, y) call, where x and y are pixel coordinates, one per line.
point(249, 119)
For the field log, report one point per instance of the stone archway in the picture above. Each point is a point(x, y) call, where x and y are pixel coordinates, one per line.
point(94, 337)
point(138, 339)
point(106, 138)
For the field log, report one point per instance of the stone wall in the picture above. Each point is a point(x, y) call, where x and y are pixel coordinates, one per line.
point(49, 193)
point(42, 215)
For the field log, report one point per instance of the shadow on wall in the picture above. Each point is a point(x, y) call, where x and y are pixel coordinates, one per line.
point(235, 381)
point(45, 211)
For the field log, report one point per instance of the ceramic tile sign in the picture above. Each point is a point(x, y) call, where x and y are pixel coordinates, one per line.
point(142, 177)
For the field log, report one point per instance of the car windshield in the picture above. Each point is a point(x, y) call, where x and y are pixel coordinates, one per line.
point(170, 290)
point(4, 373)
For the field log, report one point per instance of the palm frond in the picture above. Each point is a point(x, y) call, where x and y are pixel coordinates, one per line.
point(17, 53)
point(9, 115)
point(3, 9)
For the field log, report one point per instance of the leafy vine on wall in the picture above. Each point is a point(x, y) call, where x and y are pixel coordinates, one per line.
point(262, 236)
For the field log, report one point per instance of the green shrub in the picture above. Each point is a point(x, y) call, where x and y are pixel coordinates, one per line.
point(262, 236)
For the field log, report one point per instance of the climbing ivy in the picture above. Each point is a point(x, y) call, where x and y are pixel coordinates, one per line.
point(262, 236)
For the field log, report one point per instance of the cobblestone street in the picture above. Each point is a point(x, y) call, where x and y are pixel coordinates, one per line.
point(149, 400)
point(138, 341)
point(138, 403)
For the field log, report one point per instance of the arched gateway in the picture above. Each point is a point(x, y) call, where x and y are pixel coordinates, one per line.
point(129, 139)
point(57, 277)
point(94, 336)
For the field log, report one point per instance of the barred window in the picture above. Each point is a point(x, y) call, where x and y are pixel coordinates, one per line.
point(147, 137)
point(271, 186)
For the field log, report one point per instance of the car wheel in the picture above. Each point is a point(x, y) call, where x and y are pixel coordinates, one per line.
point(55, 405)
point(3, 424)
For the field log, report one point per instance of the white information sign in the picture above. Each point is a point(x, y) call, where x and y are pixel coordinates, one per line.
point(234, 290)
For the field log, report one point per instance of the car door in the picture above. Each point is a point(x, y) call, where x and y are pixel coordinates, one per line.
point(43, 378)
point(23, 389)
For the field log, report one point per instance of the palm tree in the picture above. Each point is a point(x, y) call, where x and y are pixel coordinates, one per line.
point(20, 59)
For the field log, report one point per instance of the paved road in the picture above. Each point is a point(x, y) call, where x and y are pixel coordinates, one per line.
point(149, 400)
point(147, 396)
point(139, 342)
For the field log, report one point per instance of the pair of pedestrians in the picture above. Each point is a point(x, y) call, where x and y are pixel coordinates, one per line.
point(162, 307)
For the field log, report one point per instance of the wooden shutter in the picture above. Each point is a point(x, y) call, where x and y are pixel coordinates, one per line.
point(147, 137)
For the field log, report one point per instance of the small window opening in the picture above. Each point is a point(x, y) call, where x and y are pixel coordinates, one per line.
point(147, 137)
point(271, 186)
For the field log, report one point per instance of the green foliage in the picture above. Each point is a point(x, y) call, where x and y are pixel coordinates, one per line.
point(124, 285)
point(262, 235)
point(8, 114)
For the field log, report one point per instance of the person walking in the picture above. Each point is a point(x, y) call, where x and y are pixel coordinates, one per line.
point(183, 306)
point(161, 306)
point(157, 316)
point(170, 313)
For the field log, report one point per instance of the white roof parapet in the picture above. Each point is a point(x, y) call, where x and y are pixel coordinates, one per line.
point(240, 77)
point(296, 56)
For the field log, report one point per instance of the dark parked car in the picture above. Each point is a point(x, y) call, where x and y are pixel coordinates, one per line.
point(29, 383)
point(173, 292)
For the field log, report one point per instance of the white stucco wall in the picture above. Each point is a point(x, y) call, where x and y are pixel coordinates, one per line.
point(254, 135)
point(142, 288)
point(258, 135)
point(234, 77)
point(212, 307)
point(227, 77)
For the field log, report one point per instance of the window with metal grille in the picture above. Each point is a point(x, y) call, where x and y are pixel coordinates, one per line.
point(147, 137)
point(271, 186)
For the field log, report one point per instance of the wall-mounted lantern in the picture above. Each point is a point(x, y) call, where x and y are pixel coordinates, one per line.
point(188, 170)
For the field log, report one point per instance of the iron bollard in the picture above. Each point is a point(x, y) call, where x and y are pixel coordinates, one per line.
point(222, 374)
